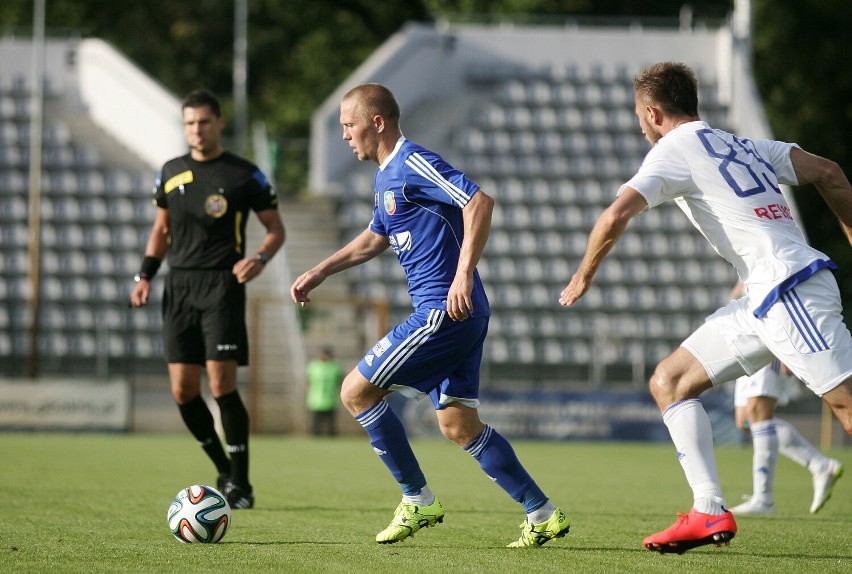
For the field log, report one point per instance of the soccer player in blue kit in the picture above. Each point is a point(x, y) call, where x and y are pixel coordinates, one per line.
point(437, 222)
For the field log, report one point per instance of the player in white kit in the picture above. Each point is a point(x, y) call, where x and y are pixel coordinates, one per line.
point(755, 399)
point(728, 187)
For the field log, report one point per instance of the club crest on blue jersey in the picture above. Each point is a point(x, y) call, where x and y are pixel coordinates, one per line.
point(215, 205)
point(390, 202)
point(400, 242)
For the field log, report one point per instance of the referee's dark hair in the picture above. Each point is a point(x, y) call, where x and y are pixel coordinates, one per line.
point(200, 98)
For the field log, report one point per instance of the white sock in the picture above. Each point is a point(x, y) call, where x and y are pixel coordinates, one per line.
point(795, 447)
point(765, 442)
point(692, 435)
point(424, 498)
point(542, 513)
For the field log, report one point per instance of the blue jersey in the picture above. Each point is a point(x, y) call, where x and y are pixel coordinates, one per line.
point(419, 202)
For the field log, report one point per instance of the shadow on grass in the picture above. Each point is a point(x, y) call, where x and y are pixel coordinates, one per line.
point(373, 510)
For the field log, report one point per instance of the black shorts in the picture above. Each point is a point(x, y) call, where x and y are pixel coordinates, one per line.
point(204, 317)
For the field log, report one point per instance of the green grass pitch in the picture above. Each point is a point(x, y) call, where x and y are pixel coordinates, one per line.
point(97, 503)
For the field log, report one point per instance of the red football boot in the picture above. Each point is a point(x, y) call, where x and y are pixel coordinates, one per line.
point(691, 530)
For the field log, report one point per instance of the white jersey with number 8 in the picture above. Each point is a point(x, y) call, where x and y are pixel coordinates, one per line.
point(729, 188)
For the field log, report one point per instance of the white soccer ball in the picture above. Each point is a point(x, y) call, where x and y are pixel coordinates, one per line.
point(199, 513)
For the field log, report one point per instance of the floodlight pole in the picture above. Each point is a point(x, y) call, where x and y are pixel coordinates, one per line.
point(240, 73)
point(36, 123)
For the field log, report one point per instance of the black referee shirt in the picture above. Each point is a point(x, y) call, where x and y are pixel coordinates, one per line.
point(208, 203)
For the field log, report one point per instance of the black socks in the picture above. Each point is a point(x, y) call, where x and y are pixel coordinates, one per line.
point(235, 423)
point(199, 421)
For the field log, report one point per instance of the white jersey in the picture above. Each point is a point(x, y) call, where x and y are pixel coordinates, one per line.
point(729, 188)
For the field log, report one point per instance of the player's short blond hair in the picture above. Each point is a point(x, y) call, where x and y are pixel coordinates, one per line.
point(375, 100)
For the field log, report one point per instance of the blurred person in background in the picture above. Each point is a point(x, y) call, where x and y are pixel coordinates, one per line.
point(755, 399)
point(324, 376)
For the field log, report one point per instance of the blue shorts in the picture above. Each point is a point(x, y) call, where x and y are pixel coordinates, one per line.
point(430, 354)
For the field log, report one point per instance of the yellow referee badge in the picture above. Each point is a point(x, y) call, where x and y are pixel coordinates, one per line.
point(178, 180)
point(216, 205)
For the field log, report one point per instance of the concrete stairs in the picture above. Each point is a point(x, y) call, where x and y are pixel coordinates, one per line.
point(284, 336)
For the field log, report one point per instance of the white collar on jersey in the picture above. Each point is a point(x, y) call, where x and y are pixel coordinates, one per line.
point(391, 155)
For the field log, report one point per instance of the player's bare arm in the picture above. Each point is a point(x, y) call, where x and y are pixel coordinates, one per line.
point(606, 232)
point(477, 226)
point(363, 248)
point(829, 179)
point(250, 267)
point(157, 246)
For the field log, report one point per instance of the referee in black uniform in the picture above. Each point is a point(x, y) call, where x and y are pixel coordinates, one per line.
point(203, 200)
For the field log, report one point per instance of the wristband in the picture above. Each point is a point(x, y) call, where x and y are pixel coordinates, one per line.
point(149, 268)
point(262, 257)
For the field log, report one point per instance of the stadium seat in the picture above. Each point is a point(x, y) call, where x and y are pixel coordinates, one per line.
point(565, 94)
point(61, 209)
point(521, 350)
point(63, 181)
point(601, 144)
point(14, 235)
point(539, 93)
point(497, 349)
point(546, 325)
point(11, 157)
point(8, 109)
point(120, 182)
point(57, 134)
point(9, 134)
point(92, 181)
point(643, 298)
point(544, 216)
point(551, 352)
point(105, 289)
point(575, 143)
point(86, 156)
point(13, 208)
point(524, 142)
point(97, 236)
point(569, 119)
point(125, 237)
point(59, 157)
point(94, 209)
point(12, 181)
point(577, 352)
point(545, 118)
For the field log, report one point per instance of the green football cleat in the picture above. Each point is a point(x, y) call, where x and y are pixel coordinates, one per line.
point(535, 535)
point(408, 518)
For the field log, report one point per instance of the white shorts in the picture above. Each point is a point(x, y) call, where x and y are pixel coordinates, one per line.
point(769, 381)
point(804, 329)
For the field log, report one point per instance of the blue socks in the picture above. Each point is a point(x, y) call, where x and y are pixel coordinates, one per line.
point(497, 459)
point(388, 439)
point(493, 452)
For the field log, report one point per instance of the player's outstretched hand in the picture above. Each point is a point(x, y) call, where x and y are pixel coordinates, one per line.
point(576, 288)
